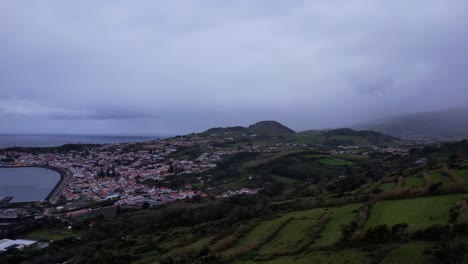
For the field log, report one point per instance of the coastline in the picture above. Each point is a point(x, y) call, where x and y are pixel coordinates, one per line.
point(38, 141)
point(55, 193)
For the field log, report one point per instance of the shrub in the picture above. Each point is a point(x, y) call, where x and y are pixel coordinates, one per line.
point(433, 233)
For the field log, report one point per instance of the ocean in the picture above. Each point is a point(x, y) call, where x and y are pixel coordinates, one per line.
point(39, 140)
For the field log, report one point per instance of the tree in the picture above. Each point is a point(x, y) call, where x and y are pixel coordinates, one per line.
point(400, 232)
point(378, 233)
point(347, 230)
point(171, 168)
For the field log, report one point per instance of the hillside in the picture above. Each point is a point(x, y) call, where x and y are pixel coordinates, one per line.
point(269, 128)
point(345, 136)
point(444, 124)
point(382, 208)
point(262, 128)
point(224, 130)
point(271, 132)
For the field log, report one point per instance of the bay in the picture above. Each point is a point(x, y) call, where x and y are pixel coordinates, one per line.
point(27, 184)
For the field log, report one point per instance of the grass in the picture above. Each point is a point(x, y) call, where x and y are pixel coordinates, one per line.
point(336, 162)
point(409, 253)
point(309, 137)
point(353, 157)
point(436, 177)
point(348, 256)
point(236, 184)
point(314, 189)
point(194, 247)
point(290, 237)
point(417, 212)
point(287, 238)
point(339, 216)
point(316, 156)
point(300, 230)
point(256, 236)
point(285, 180)
point(312, 213)
point(356, 140)
point(413, 182)
point(462, 173)
point(270, 157)
point(387, 186)
point(49, 234)
point(169, 244)
point(108, 213)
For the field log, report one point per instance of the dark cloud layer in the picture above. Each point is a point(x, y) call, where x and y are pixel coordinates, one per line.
point(180, 66)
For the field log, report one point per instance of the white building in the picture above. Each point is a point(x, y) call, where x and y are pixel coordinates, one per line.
point(19, 244)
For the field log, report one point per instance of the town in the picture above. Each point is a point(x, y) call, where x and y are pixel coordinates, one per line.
point(119, 172)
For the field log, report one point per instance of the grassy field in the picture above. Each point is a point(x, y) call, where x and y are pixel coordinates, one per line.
point(256, 236)
point(336, 162)
point(462, 173)
point(108, 213)
point(413, 182)
point(170, 243)
point(316, 156)
point(349, 256)
point(285, 180)
point(416, 212)
point(436, 177)
point(236, 184)
point(197, 246)
point(409, 253)
point(295, 234)
point(292, 237)
point(387, 186)
point(309, 137)
point(353, 157)
point(356, 140)
point(339, 216)
point(269, 157)
point(46, 234)
point(298, 229)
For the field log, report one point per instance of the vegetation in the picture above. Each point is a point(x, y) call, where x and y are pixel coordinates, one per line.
point(312, 207)
point(417, 212)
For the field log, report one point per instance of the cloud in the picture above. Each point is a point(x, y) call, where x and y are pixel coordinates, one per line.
point(189, 65)
point(26, 108)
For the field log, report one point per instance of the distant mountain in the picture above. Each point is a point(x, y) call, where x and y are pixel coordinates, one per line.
point(443, 124)
point(259, 128)
point(372, 136)
point(269, 127)
point(275, 132)
point(345, 136)
point(218, 130)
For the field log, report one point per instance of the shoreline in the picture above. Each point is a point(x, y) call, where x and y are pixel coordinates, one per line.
point(64, 177)
point(114, 139)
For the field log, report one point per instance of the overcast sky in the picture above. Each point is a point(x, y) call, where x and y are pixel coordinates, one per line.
point(164, 67)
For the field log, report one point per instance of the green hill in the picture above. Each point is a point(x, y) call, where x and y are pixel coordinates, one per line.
point(269, 128)
point(448, 124)
point(262, 128)
point(344, 136)
point(224, 130)
point(271, 132)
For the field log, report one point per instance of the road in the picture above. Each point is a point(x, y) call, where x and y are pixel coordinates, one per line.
point(54, 197)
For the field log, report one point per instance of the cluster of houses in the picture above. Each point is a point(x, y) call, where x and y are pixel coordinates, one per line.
point(353, 150)
point(120, 171)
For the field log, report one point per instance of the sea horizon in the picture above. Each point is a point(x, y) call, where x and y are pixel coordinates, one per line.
point(53, 140)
